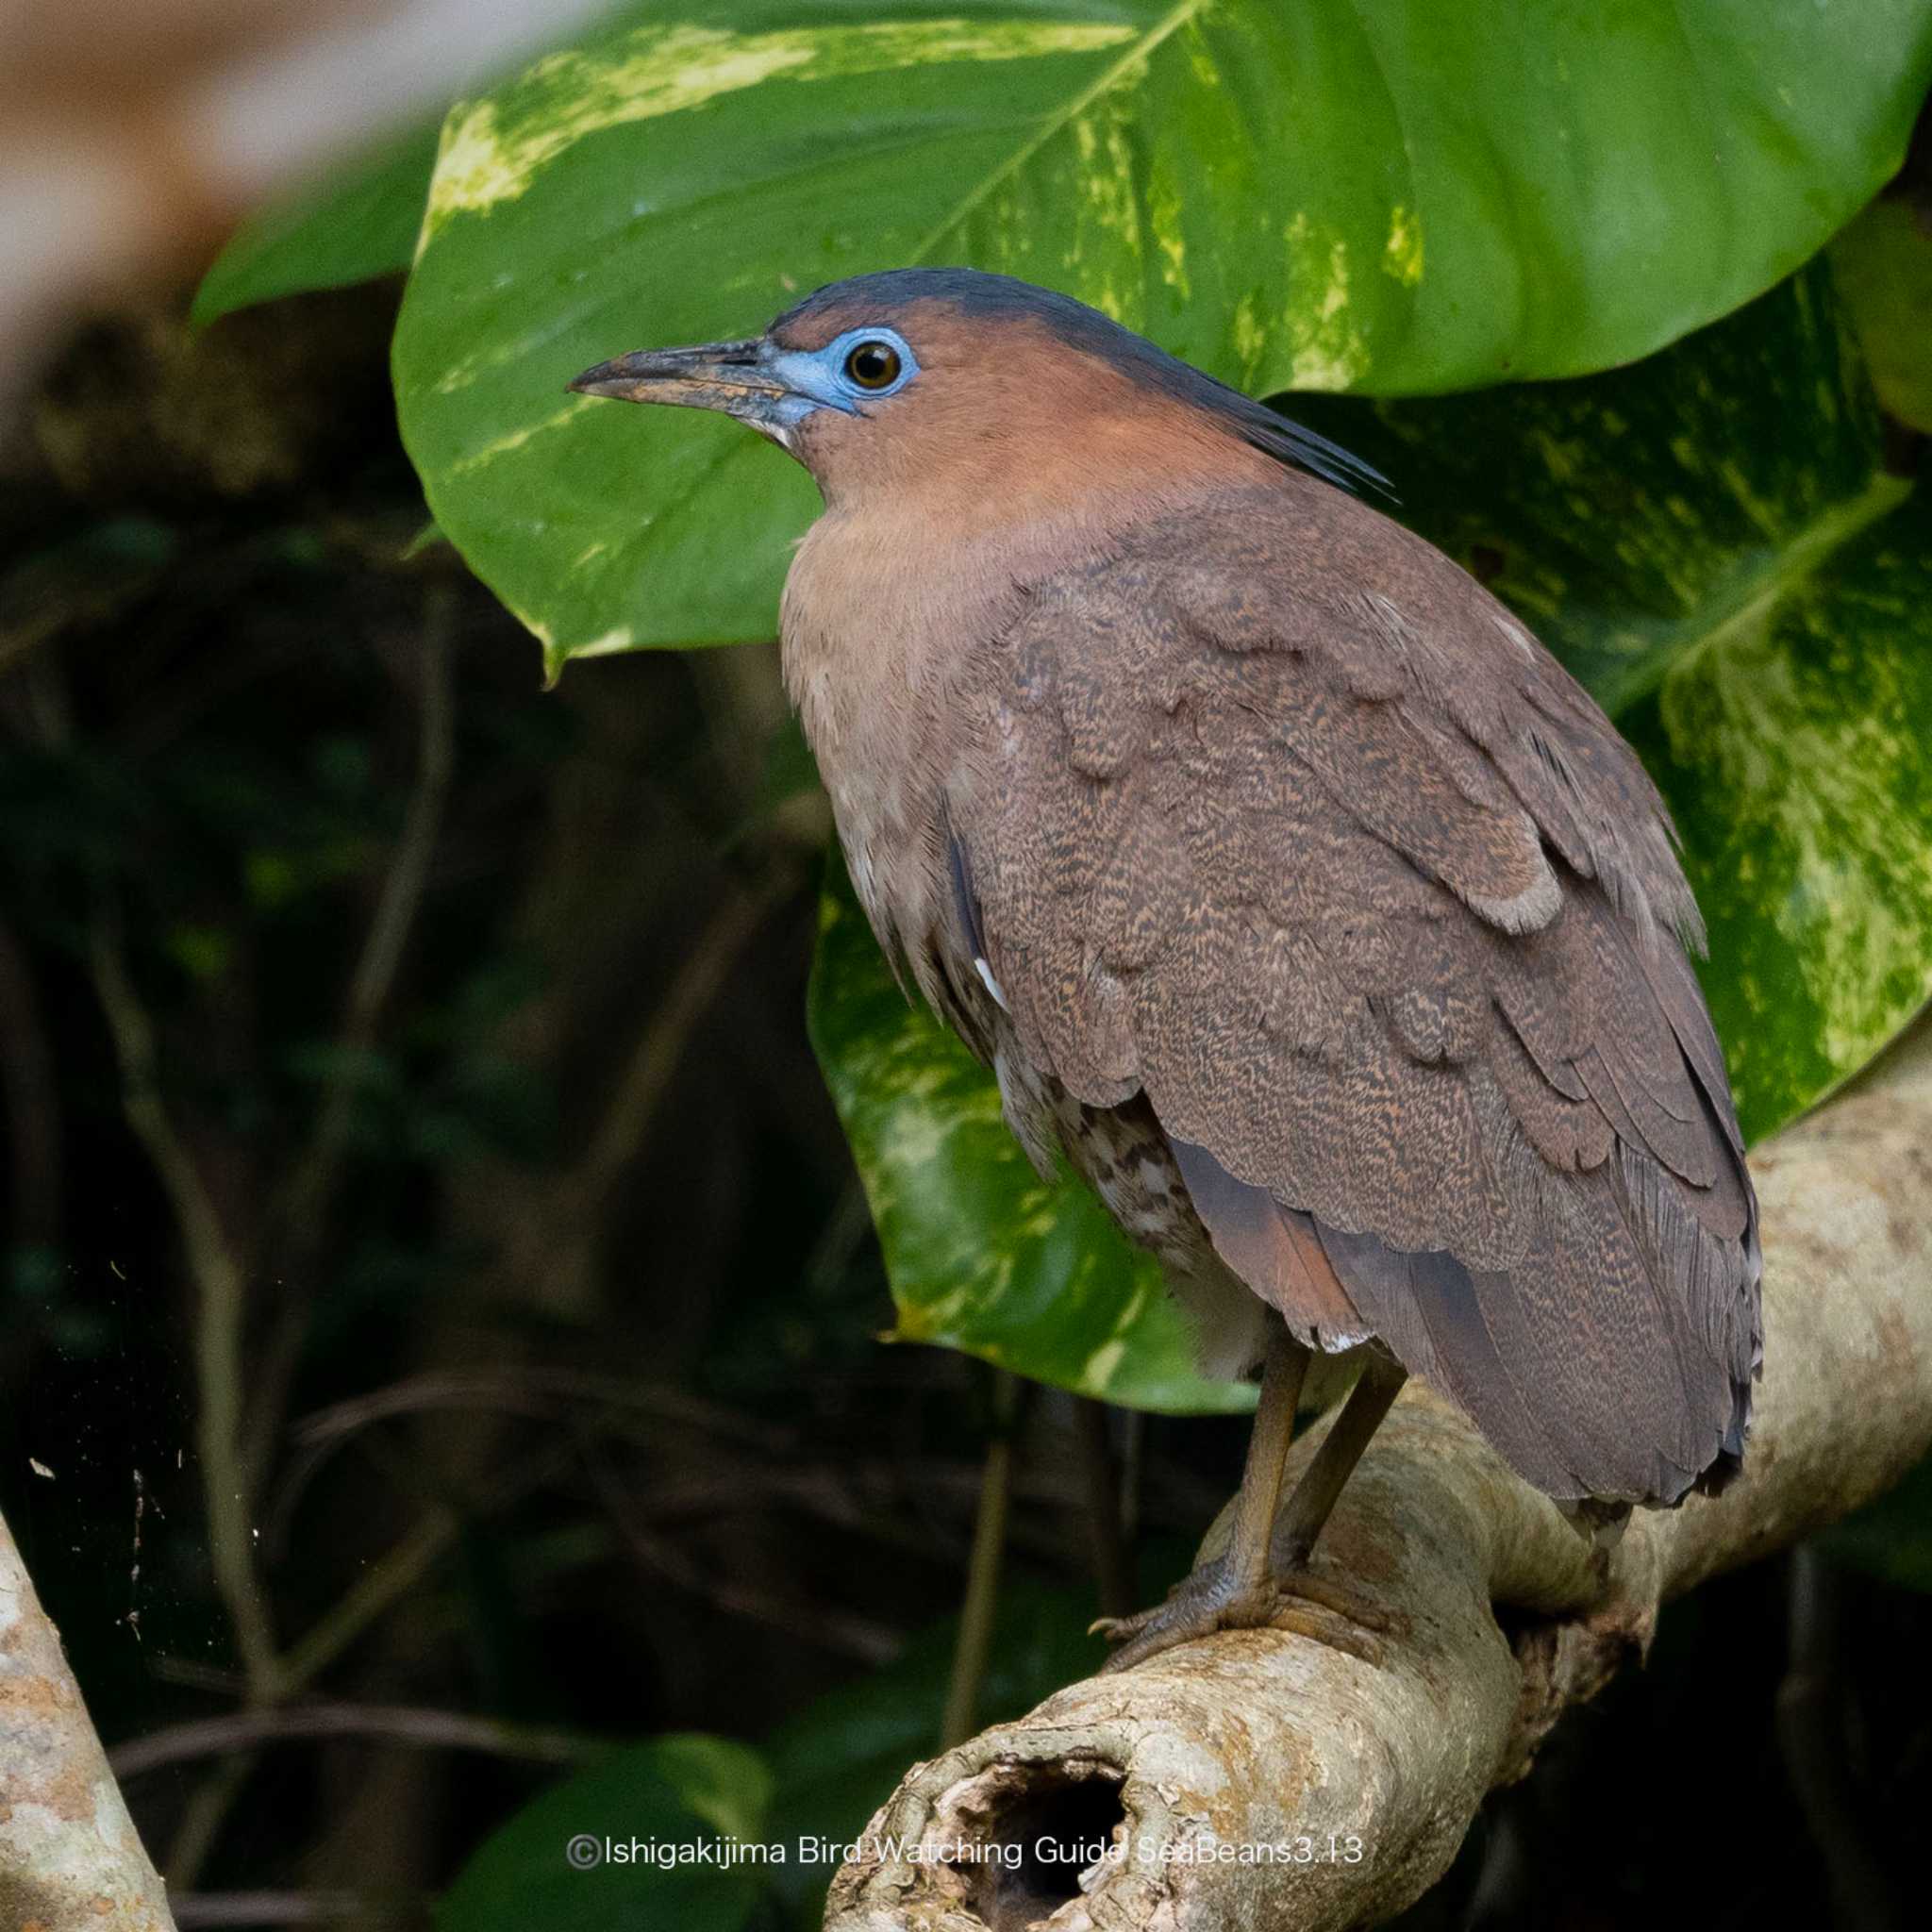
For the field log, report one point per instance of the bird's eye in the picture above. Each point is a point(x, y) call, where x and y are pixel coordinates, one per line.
point(874, 365)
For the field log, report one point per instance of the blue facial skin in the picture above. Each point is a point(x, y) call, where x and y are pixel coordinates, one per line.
point(816, 378)
point(766, 387)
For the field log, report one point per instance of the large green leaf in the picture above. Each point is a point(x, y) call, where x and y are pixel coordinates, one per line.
point(1413, 196)
point(1710, 541)
point(982, 1254)
point(686, 1791)
point(358, 224)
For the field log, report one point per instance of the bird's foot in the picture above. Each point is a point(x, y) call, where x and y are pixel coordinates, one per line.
point(1211, 1598)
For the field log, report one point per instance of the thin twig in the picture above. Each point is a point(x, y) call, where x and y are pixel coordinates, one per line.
point(395, 1722)
point(403, 1566)
point(202, 1818)
point(193, 1675)
point(860, 1638)
point(556, 1243)
point(220, 1312)
point(634, 1101)
point(541, 1394)
point(981, 1604)
point(262, 1908)
point(1114, 1570)
point(1132, 1478)
point(396, 1572)
point(539, 1389)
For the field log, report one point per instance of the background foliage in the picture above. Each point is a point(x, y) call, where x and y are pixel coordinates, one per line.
point(408, 1108)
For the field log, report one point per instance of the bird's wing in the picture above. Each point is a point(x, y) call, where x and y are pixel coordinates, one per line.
point(1277, 816)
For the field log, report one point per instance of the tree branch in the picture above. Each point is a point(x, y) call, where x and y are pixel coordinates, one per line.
point(1364, 1779)
point(70, 1860)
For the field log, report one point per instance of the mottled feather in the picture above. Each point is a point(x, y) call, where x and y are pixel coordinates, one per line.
point(1361, 899)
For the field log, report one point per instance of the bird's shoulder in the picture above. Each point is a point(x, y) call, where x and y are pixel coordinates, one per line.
point(1342, 659)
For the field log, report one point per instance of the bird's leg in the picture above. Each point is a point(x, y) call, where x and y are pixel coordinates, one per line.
point(1313, 1497)
point(1282, 1376)
point(1262, 1578)
point(1199, 1603)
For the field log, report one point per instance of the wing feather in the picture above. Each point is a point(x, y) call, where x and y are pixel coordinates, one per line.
point(1374, 905)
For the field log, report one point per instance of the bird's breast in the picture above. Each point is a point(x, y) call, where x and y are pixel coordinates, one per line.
point(882, 622)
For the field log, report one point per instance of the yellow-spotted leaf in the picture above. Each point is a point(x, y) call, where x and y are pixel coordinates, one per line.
point(1413, 196)
point(1711, 542)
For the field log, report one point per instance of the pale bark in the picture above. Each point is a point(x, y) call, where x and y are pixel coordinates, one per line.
point(70, 1860)
point(1264, 1738)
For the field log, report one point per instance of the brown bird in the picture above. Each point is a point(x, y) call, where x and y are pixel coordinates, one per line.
point(1291, 888)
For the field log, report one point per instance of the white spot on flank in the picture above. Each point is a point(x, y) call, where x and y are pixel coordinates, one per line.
point(1517, 636)
point(991, 985)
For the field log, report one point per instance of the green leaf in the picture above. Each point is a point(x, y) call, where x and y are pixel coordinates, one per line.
point(1710, 541)
point(982, 1255)
point(1883, 262)
point(1418, 196)
point(681, 1791)
point(360, 222)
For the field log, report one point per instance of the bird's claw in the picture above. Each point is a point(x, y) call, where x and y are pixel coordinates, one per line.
point(1316, 1608)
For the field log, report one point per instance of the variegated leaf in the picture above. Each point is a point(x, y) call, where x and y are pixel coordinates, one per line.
point(1413, 196)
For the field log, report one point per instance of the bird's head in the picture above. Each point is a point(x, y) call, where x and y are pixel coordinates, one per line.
point(876, 383)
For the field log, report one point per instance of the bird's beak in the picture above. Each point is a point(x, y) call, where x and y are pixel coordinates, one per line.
point(731, 377)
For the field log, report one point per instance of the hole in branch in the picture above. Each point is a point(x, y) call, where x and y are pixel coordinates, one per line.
point(1037, 1846)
